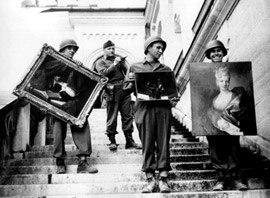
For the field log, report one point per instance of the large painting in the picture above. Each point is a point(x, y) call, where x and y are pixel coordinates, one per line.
point(222, 99)
point(57, 85)
point(155, 86)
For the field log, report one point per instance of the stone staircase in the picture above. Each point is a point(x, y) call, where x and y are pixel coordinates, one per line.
point(120, 173)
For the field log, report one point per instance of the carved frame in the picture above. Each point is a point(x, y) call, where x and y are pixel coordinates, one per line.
point(96, 82)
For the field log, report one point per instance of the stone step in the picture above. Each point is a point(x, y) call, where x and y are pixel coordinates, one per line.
point(127, 174)
point(72, 147)
point(114, 158)
point(261, 193)
point(103, 168)
point(102, 139)
point(101, 177)
point(188, 144)
point(93, 189)
point(104, 152)
point(180, 140)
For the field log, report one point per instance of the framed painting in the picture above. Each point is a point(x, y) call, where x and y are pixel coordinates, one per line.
point(222, 99)
point(155, 86)
point(57, 85)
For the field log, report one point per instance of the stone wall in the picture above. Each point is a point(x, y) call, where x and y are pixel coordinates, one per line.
point(247, 36)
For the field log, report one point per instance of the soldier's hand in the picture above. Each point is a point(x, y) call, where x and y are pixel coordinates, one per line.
point(174, 101)
point(78, 62)
point(117, 60)
point(131, 76)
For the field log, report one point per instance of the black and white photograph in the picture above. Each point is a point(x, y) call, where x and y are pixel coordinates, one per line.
point(135, 98)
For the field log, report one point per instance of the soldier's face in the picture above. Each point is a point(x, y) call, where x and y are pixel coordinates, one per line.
point(216, 54)
point(156, 50)
point(109, 51)
point(69, 51)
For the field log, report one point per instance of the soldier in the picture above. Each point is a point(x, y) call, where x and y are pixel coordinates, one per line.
point(56, 71)
point(153, 120)
point(224, 150)
point(117, 100)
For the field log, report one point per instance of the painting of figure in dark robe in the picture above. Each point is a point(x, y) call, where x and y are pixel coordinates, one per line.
point(222, 99)
point(57, 85)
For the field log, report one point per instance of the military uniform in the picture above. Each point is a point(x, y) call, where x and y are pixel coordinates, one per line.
point(153, 120)
point(116, 98)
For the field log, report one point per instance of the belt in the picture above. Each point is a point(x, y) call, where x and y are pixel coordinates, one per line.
point(119, 82)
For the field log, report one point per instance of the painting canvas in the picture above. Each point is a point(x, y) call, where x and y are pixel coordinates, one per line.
point(222, 99)
point(70, 97)
point(155, 86)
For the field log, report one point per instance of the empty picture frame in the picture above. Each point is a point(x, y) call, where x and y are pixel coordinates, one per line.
point(58, 86)
point(155, 86)
point(222, 99)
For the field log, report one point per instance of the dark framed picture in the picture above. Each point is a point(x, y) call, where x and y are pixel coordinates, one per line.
point(222, 99)
point(155, 86)
point(58, 86)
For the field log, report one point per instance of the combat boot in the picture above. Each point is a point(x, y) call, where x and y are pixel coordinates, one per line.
point(112, 145)
point(61, 167)
point(130, 143)
point(150, 186)
point(221, 182)
point(163, 185)
point(83, 167)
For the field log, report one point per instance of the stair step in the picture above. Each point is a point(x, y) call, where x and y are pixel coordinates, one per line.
point(101, 177)
point(105, 188)
point(114, 158)
point(191, 139)
point(103, 152)
point(50, 169)
point(103, 146)
point(261, 193)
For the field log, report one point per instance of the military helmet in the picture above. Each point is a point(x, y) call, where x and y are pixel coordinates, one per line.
point(66, 43)
point(154, 39)
point(212, 44)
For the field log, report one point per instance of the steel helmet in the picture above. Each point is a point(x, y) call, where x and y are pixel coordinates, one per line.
point(212, 44)
point(151, 40)
point(66, 43)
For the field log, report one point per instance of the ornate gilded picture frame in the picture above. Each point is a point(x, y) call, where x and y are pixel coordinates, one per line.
point(58, 86)
point(222, 99)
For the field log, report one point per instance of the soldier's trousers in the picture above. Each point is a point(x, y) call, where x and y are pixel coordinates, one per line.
point(154, 125)
point(81, 138)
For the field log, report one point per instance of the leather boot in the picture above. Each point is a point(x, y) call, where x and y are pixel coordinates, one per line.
point(130, 143)
point(237, 181)
point(220, 185)
point(83, 167)
point(61, 167)
point(112, 145)
point(151, 185)
point(163, 185)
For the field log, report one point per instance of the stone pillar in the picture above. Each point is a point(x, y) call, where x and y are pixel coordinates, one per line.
point(21, 138)
point(40, 137)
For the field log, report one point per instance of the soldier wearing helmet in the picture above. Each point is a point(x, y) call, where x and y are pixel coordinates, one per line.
point(72, 90)
point(153, 120)
point(223, 149)
point(68, 43)
point(214, 44)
